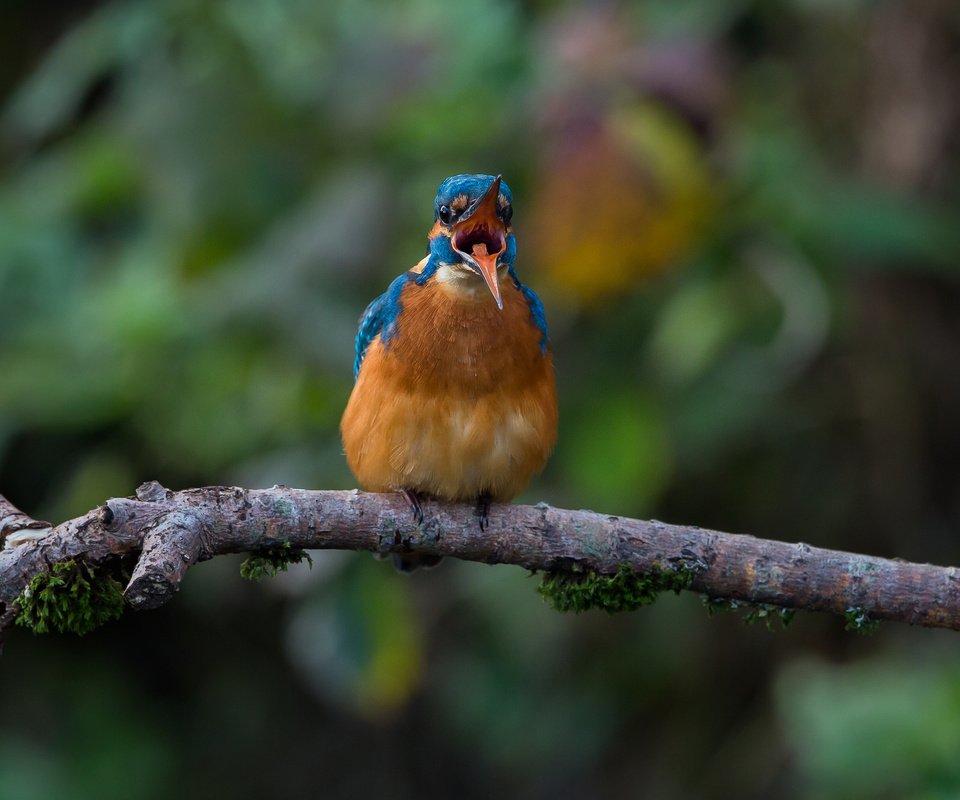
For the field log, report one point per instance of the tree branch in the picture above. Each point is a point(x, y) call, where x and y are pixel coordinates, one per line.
point(173, 530)
point(16, 527)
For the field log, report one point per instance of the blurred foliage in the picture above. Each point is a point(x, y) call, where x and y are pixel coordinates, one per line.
point(742, 219)
point(840, 718)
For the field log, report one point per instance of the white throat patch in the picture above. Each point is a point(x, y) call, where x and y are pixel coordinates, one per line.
point(461, 281)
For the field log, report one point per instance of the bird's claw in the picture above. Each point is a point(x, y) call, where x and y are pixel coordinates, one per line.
point(414, 502)
point(483, 511)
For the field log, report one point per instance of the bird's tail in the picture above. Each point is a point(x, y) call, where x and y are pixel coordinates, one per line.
point(408, 562)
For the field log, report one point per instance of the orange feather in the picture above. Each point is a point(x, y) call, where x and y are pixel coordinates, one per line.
point(461, 401)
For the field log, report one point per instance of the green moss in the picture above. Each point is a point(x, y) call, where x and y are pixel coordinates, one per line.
point(754, 613)
point(626, 590)
point(73, 597)
point(268, 561)
point(857, 620)
point(720, 605)
point(769, 615)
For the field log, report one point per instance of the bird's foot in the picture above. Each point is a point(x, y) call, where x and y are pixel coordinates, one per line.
point(414, 502)
point(483, 510)
point(405, 561)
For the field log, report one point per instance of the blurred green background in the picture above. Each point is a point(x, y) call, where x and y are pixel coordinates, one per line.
point(743, 218)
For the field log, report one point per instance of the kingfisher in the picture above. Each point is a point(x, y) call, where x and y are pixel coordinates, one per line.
point(454, 395)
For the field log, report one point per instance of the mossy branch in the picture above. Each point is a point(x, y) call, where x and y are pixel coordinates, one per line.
point(625, 590)
point(268, 561)
point(73, 597)
point(591, 560)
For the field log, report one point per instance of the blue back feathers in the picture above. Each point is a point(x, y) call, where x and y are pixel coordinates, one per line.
point(381, 315)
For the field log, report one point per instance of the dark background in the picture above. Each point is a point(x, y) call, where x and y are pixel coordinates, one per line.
point(742, 218)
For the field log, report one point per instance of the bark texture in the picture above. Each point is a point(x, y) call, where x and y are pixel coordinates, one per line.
point(173, 530)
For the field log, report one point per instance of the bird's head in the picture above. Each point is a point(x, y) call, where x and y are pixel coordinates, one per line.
point(471, 234)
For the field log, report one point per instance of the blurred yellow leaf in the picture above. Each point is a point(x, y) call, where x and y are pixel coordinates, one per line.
point(620, 203)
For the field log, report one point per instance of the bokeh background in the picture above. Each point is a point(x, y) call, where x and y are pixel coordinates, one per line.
point(743, 217)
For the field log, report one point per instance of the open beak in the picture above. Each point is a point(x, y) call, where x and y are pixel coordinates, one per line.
point(480, 237)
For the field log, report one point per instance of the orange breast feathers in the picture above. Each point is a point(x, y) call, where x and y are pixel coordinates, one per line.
point(459, 403)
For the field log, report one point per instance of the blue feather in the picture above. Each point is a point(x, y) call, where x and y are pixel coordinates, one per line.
point(538, 314)
point(441, 252)
point(380, 318)
point(536, 309)
point(470, 185)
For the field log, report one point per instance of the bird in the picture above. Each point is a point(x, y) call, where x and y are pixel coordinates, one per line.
point(454, 394)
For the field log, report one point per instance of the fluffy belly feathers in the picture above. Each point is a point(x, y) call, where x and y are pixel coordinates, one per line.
point(456, 405)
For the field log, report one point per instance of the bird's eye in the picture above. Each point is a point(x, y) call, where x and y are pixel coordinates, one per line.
point(506, 214)
point(445, 215)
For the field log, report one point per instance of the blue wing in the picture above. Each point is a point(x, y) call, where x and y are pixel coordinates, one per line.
point(536, 309)
point(379, 318)
point(538, 314)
